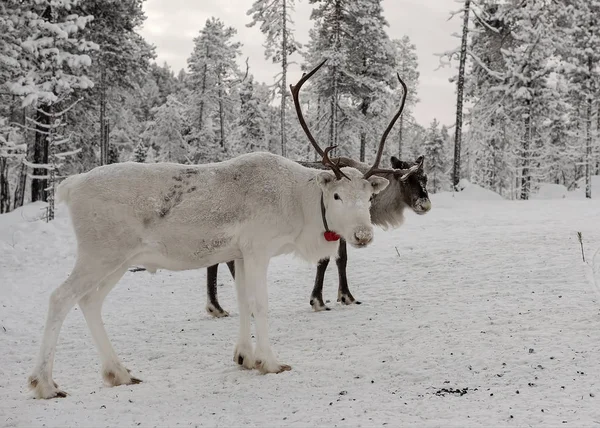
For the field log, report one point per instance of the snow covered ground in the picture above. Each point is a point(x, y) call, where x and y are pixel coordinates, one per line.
point(485, 296)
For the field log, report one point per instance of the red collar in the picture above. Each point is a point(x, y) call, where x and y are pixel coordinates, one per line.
point(328, 234)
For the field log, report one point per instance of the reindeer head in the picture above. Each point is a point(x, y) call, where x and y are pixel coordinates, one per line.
point(347, 204)
point(346, 197)
point(414, 185)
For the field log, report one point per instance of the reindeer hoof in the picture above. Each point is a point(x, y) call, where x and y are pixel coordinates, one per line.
point(284, 368)
point(276, 368)
point(45, 390)
point(216, 311)
point(318, 305)
point(119, 376)
point(243, 355)
point(348, 299)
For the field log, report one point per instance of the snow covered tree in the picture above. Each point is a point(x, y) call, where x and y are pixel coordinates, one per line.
point(460, 54)
point(528, 66)
point(54, 59)
point(519, 114)
point(12, 151)
point(276, 23)
point(436, 158)
point(360, 72)
point(251, 126)
point(122, 58)
point(407, 66)
point(582, 25)
point(140, 153)
point(165, 132)
point(460, 83)
point(213, 74)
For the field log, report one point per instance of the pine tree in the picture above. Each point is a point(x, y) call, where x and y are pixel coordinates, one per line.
point(407, 66)
point(213, 73)
point(165, 132)
point(140, 153)
point(460, 83)
point(122, 58)
point(12, 152)
point(436, 158)
point(525, 84)
point(253, 117)
point(582, 24)
point(276, 23)
point(53, 58)
point(519, 112)
point(360, 72)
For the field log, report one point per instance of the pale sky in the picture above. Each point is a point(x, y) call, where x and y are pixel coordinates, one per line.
point(172, 25)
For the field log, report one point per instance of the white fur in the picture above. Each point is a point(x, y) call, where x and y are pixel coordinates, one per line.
point(176, 217)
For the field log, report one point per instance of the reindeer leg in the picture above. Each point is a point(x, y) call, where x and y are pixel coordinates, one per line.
point(316, 297)
point(113, 371)
point(344, 295)
point(86, 275)
point(212, 303)
point(231, 266)
point(255, 278)
point(244, 352)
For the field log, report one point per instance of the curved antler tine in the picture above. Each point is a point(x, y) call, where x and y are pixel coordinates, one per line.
point(295, 92)
point(335, 167)
point(370, 172)
point(420, 160)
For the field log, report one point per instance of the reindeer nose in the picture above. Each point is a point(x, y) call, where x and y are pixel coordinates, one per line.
point(363, 236)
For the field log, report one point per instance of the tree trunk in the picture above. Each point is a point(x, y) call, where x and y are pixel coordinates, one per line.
point(364, 108)
point(333, 130)
point(103, 139)
point(525, 173)
point(588, 149)
point(284, 65)
point(203, 91)
point(320, 109)
point(40, 154)
point(333, 111)
point(52, 161)
point(4, 187)
point(598, 140)
point(459, 96)
point(221, 115)
point(19, 198)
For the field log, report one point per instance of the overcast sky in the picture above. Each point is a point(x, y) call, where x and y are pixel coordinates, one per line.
point(172, 25)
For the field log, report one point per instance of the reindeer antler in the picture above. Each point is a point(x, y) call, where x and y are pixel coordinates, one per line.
point(374, 169)
point(324, 154)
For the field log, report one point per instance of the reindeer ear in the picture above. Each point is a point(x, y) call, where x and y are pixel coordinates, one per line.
point(378, 183)
point(398, 164)
point(420, 160)
point(324, 179)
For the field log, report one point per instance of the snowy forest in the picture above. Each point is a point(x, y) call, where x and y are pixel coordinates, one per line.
point(79, 87)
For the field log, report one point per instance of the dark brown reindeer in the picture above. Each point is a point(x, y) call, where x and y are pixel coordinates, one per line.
point(387, 210)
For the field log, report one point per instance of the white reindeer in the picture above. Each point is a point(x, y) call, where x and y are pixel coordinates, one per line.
point(176, 217)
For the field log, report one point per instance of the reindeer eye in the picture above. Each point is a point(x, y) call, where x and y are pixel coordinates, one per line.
point(371, 198)
point(336, 197)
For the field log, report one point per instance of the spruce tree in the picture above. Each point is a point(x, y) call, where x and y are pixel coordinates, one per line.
point(276, 23)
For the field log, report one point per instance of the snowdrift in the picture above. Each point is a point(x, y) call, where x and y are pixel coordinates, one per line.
point(551, 191)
